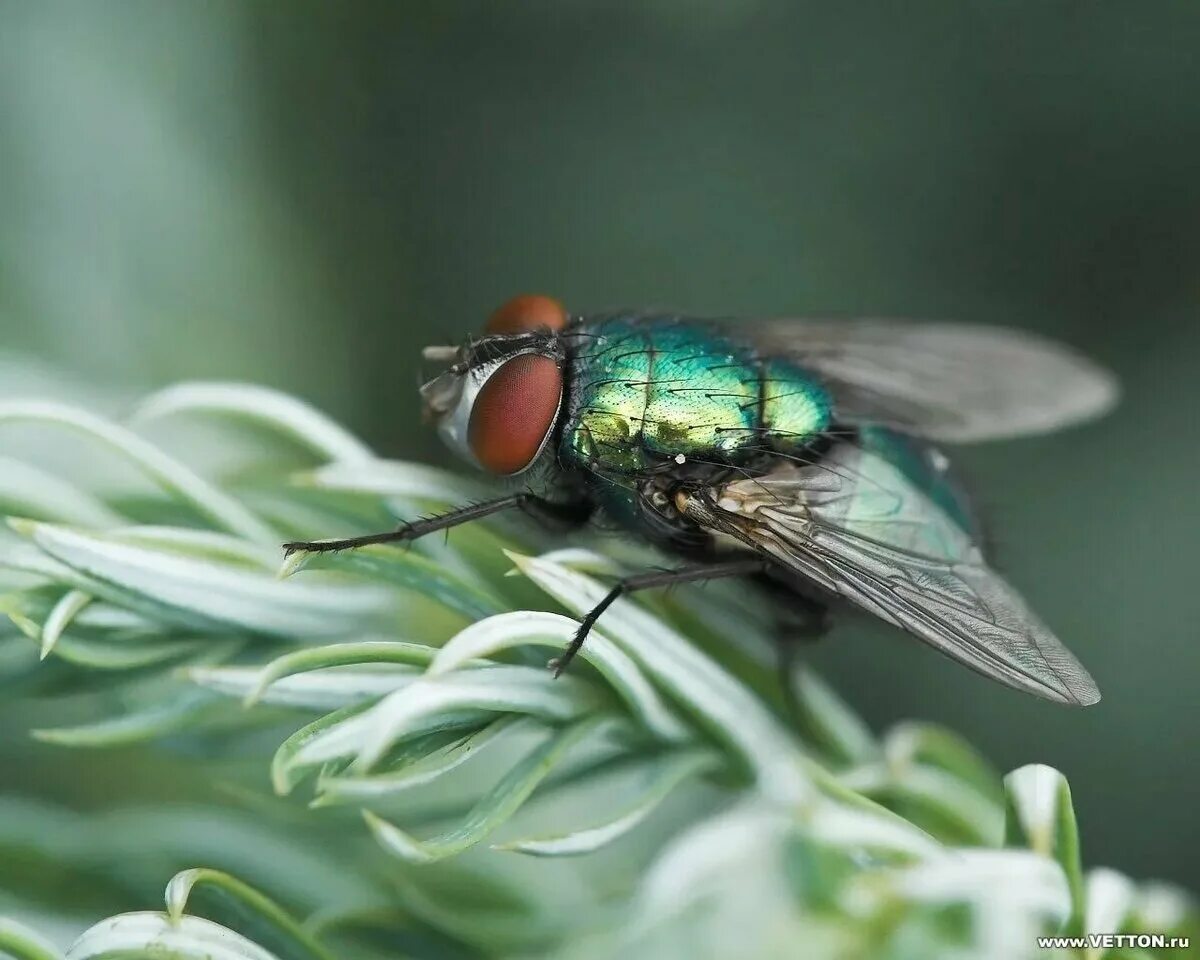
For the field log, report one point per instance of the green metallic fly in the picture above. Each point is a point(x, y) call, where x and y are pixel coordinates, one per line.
point(798, 453)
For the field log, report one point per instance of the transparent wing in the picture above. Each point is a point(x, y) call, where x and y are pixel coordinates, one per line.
point(857, 526)
point(945, 381)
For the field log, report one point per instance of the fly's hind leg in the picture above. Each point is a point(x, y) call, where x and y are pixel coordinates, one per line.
point(806, 622)
point(645, 581)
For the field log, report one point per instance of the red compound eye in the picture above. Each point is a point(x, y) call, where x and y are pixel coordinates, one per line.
point(514, 412)
point(528, 312)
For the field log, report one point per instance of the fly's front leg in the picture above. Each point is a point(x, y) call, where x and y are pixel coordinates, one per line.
point(545, 510)
point(644, 581)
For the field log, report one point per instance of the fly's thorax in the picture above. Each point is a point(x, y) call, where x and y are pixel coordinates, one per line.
point(702, 396)
point(644, 390)
point(606, 398)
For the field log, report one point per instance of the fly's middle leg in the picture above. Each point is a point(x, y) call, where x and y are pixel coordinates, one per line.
point(644, 581)
point(805, 622)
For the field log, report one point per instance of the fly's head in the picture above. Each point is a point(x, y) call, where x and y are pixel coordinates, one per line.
point(499, 401)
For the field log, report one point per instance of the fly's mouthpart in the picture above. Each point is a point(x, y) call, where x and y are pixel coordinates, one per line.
point(440, 396)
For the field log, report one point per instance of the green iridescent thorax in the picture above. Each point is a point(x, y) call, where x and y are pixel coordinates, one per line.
point(645, 390)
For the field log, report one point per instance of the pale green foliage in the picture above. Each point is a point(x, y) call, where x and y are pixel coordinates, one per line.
point(405, 692)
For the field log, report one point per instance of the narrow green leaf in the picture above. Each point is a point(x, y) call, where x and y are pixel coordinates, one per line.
point(865, 829)
point(337, 655)
point(304, 514)
point(425, 769)
point(1015, 895)
point(393, 478)
point(72, 602)
point(507, 630)
point(174, 478)
point(180, 712)
point(944, 805)
point(98, 615)
point(99, 653)
point(929, 744)
point(155, 936)
point(327, 689)
point(98, 851)
point(405, 568)
point(221, 548)
point(728, 710)
point(725, 863)
point(581, 559)
point(494, 809)
point(1164, 908)
point(832, 726)
point(278, 412)
point(1039, 815)
point(20, 943)
point(29, 491)
point(662, 774)
point(27, 559)
point(741, 628)
point(1109, 899)
point(287, 770)
point(204, 594)
point(104, 637)
point(223, 899)
point(17, 608)
point(497, 689)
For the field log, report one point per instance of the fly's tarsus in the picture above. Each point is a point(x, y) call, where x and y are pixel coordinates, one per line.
point(349, 543)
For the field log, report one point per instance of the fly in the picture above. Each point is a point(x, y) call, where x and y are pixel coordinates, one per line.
point(796, 452)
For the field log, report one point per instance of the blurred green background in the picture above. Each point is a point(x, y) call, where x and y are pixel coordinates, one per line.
point(303, 194)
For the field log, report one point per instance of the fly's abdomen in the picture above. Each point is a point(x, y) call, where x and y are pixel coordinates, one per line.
point(927, 470)
point(646, 390)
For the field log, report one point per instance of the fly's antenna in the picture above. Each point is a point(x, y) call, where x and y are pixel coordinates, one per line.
point(440, 354)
